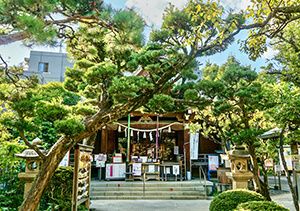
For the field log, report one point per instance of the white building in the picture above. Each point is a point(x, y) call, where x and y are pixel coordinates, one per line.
point(49, 66)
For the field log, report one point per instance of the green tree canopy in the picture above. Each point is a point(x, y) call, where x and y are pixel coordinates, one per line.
point(115, 73)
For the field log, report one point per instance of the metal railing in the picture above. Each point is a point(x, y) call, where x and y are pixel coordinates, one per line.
point(202, 173)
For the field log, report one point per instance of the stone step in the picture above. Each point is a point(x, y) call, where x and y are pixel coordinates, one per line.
point(147, 197)
point(153, 190)
point(147, 184)
point(147, 193)
point(200, 188)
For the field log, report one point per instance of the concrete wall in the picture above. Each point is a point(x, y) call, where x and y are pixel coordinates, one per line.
point(57, 63)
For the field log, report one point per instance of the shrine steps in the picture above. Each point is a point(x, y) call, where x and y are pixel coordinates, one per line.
point(153, 190)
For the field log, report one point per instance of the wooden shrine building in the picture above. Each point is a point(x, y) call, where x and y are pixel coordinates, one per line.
point(161, 143)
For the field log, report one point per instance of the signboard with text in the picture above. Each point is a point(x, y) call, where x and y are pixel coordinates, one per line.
point(213, 162)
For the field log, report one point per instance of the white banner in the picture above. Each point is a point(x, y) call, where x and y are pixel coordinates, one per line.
point(194, 144)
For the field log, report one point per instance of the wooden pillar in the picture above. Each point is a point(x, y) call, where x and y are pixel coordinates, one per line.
point(111, 141)
point(186, 140)
point(75, 179)
point(104, 141)
point(180, 139)
point(97, 144)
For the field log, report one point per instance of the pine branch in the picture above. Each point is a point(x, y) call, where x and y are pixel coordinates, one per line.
point(35, 148)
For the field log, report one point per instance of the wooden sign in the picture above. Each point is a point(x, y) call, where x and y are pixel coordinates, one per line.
point(82, 176)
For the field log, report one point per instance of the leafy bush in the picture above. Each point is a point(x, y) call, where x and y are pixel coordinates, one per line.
point(11, 188)
point(260, 205)
point(58, 195)
point(229, 200)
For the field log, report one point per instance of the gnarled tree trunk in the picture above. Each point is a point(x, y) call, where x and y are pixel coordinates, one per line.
point(47, 170)
point(261, 187)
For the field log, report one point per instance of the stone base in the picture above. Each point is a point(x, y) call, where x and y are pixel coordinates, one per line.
point(240, 184)
point(239, 180)
point(28, 178)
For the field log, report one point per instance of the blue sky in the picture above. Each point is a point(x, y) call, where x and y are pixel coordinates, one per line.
point(151, 11)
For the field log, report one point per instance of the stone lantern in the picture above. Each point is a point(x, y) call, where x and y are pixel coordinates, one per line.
point(240, 174)
point(33, 163)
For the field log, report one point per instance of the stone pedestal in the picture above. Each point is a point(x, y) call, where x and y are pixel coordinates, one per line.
point(240, 180)
point(28, 179)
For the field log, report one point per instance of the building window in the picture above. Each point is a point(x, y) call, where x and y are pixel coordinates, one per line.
point(43, 67)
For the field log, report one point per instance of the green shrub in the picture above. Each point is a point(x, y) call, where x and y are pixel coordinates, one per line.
point(11, 189)
point(260, 206)
point(58, 195)
point(229, 200)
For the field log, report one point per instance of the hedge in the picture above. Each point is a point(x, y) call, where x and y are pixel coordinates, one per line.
point(260, 206)
point(229, 200)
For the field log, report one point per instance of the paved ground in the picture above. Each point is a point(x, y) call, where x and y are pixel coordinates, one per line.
point(151, 205)
point(282, 197)
point(171, 205)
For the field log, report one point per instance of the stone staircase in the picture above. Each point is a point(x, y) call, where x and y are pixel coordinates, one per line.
point(152, 190)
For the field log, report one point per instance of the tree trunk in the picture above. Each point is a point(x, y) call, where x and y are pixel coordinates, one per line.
point(47, 170)
point(255, 168)
point(265, 184)
point(288, 176)
point(265, 174)
point(261, 187)
point(294, 151)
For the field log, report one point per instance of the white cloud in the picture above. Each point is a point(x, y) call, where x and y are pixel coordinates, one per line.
point(236, 5)
point(270, 53)
point(152, 10)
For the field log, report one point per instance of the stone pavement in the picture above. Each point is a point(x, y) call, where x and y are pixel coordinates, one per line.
point(284, 199)
point(150, 205)
point(281, 197)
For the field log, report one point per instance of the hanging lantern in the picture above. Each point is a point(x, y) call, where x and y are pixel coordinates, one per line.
point(144, 135)
point(131, 132)
point(119, 129)
point(169, 129)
